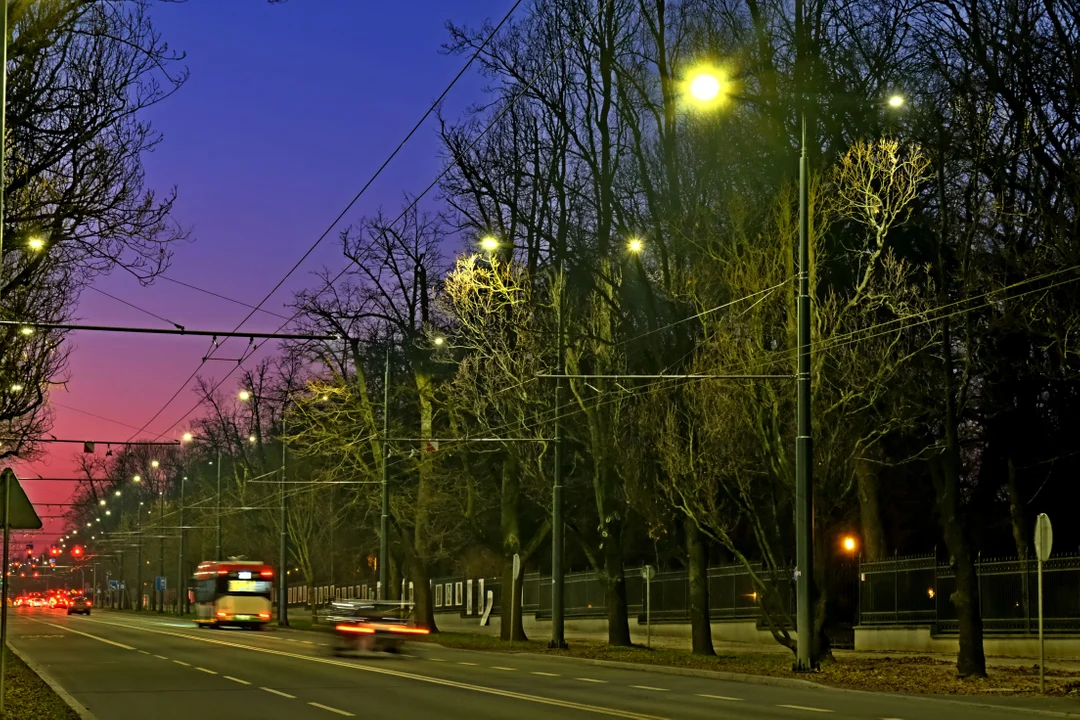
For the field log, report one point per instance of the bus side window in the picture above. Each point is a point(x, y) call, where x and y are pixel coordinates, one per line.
point(204, 591)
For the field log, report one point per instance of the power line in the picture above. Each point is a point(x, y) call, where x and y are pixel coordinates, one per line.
point(222, 297)
point(136, 307)
point(25, 325)
point(341, 214)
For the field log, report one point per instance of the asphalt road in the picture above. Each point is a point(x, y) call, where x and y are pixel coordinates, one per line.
point(122, 667)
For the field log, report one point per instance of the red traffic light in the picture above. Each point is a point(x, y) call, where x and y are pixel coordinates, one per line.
point(77, 551)
point(54, 551)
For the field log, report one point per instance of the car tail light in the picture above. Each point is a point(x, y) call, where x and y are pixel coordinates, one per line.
point(356, 629)
point(404, 629)
point(88, 603)
point(223, 614)
point(264, 616)
point(267, 573)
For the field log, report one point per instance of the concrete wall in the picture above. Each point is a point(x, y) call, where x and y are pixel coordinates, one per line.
point(673, 635)
point(920, 639)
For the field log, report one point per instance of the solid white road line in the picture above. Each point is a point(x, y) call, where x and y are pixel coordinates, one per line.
point(331, 709)
point(278, 692)
point(807, 709)
point(79, 632)
point(236, 680)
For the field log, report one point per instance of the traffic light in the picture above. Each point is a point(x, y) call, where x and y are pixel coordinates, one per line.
point(77, 551)
point(54, 551)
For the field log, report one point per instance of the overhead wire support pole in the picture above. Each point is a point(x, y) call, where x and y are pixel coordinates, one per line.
point(283, 590)
point(32, 325)
point(217, 545)
point(667, 377)
point(384, 518)
point(558, 637)
point(804, 497)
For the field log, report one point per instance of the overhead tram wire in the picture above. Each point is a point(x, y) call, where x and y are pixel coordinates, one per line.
point(434, 105)
point(445, 170)
point(136, 307)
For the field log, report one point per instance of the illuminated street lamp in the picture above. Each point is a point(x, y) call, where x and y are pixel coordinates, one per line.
point(137, 478)
point(154, 464)
point(896, 101)
point(849, 544)
point(489, 243)
point(439, 340)
point(16, 387)
point(635, 245)
point(244, 396)
point(188, 437)
point(35, 243)
point(101, 502)
point(252, 439)
point(705, 87)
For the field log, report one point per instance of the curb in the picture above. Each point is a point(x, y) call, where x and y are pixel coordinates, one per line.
point(78, 707)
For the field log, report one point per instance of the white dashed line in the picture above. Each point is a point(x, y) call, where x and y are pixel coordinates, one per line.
point(278, 692)
point(500, 667)
point(807, 709)
point(307, 642)
point(236, 680)
point(545, 674)
point(719, 697)
point(592, 680)
point(331, 709)
point(208, 672)
point(649, 687)
point(181, 662)
point(144, 652)
point(161, 657)
point(467, 663)
point(436, 660)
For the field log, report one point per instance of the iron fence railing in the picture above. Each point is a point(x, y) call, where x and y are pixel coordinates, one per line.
point(917, 590)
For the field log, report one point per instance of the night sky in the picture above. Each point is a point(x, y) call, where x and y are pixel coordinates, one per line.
point(288, 110)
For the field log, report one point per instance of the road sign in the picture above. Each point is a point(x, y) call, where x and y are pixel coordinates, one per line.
point(648, 572)
point(1044, 537)
point(159, 583)
point(114, 584)
point(1044, 540)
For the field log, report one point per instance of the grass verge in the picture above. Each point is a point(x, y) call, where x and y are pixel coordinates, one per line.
point(27, 696)
point(908, 674)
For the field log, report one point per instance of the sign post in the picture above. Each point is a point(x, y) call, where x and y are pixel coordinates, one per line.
point(18, 514)
point(648, 572)
point(1044, 540)
point(514, 594)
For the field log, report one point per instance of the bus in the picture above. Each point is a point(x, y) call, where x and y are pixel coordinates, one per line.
point(232, 593)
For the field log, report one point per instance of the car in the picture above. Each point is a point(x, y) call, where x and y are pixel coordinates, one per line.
point(79, 605)
point(371, 626)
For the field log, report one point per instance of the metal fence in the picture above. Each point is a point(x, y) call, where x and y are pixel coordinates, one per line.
point(732, 595)
point(916, 590)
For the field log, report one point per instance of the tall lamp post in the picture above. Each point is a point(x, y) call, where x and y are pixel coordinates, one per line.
point(188, 437)
point(283, 590)
point(707, 87)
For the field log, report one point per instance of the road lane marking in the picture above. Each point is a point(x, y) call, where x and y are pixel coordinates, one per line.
point(307, 642)
point(162, 657)
point(500, 667)
point(545, 674)
point(85, 634)
point(807, 709)
point(467, 663)
point(331, 709)
point(436, 660)
point(278, 692)
point(181, 662)
point(208, 672)
point(236, 680)
point(483, 689)
point(592, 680)
point(144, 652)
point(649, 687)
point(719, 697)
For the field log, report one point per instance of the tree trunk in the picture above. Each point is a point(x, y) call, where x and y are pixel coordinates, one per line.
point(945, 471)
point(873, 534)
point(1020, 538)
point(697, 563)
point(615, 587)
point(424, 608)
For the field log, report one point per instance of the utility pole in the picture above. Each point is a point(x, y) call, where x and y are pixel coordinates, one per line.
point(161, 545)
point(384, 520)
point(123, 592)
point(180, 584)
point(3, 132)
point(217, 552)
point(558, 639)
point(804, 448)
point(283, 589)
point(138, 571)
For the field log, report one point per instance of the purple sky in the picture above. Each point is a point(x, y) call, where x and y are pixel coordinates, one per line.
point(288, 111)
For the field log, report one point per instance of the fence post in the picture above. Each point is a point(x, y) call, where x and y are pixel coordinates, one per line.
point(1025, 567)
point(896, 588)
point(858, 591)
point(978, 576)
point(936, 619)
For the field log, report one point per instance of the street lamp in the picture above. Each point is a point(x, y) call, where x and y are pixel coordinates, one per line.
point(705, 87)
point(35, 243)
point(244, 396)
point(635, 245)
point(896, 101)
point(849, 544)
point(489, 243)
point(154, 464)
point(188, 437)
point(16, 387)
point(137, 478)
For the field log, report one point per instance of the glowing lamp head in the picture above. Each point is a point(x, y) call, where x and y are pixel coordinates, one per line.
point(251, 439)
point(137, 478)
point(154, 464)
point(244, 395)
point(440, 340)
point(188, 437)
point(117, 493)
point(849, 544)
point(896, 101)
point(635, 245)
point(101, 502)
point(705, 87)
point(35, 243)
point(16, 387)
point(489, 243)
point(25, 330)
